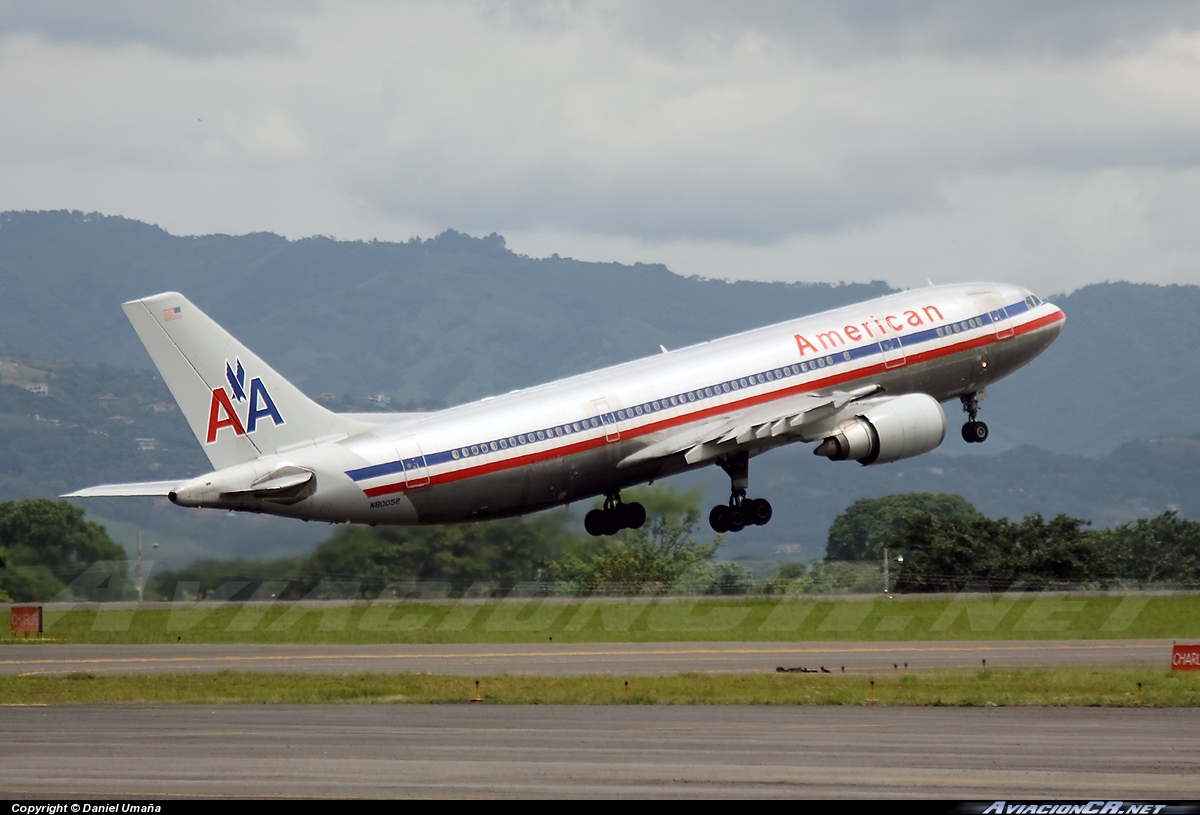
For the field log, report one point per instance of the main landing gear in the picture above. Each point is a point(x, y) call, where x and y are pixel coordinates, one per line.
point(741, 511)
point(614, 517)
point(973, 432)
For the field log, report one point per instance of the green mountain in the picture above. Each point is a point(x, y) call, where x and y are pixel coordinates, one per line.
point(449, 319)
point(1099, 427)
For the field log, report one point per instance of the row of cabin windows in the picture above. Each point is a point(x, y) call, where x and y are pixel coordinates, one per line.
point(647, 407)
point(958, 328)
point(687, 397)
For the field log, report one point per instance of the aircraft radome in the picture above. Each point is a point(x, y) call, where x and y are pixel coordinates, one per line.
point(864, 382)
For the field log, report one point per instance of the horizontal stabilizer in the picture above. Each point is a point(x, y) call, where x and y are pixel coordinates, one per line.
point(162, 488)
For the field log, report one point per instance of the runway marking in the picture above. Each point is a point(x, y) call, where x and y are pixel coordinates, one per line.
point(613, 652)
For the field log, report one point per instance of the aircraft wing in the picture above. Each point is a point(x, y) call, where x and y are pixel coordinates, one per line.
point(726, 434)
point(126, 490)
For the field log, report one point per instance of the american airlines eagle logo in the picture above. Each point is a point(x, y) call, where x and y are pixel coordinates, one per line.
point(222, 413)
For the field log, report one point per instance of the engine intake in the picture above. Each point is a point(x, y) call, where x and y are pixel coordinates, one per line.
point(890, 430)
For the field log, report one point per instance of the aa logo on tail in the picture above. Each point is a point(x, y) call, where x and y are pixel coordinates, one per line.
point(221, 412)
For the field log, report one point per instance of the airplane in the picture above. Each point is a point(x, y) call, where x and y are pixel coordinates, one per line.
point(864, 382)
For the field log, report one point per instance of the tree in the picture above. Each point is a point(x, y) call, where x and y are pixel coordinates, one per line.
point(1053, 553)
point(229, 579)
point(789, 577)
point(49, 545)
point(664, 555)
point(730, 578)
point(5, 597)
point(941, 554)
point(944, 554)
point(504, 551)
point(870, 524)
point(1165, 548)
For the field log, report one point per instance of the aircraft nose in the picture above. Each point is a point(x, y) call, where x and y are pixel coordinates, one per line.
point(1060, 319)
point(1052, 327)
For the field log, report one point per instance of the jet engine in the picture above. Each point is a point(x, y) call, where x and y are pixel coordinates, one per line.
point(889, 430)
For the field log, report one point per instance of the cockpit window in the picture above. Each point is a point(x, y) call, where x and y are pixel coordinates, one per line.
point(1033, 301)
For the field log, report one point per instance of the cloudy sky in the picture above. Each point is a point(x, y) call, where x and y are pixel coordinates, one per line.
point(1048, 144)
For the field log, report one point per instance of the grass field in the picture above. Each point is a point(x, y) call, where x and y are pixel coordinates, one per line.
point(1041, 687)
point(1012, 616)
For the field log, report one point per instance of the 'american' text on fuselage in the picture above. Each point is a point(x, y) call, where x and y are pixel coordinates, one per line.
point(834, 338)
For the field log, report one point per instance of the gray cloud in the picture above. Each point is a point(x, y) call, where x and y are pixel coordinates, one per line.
point(787, 145)
point(898, 140)
point(742, 204)
point(197, 28)
point(751, 193)
point(849, 30)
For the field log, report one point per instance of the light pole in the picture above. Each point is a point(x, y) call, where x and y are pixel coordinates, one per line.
point(887, 583)
point(139, 578)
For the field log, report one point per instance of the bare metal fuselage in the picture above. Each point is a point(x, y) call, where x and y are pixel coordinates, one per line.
point(581, 437)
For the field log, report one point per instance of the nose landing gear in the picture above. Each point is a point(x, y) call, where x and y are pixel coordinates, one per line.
point(973, 432)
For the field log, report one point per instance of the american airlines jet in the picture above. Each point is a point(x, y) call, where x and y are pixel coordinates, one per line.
point(864, 382)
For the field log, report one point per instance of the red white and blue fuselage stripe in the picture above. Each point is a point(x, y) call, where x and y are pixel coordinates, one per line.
point(831, 366)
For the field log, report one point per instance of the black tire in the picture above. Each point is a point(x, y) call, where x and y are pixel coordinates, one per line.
point(612, 521)
point(593, 522)
point(737, 519)
point(718, 518)
point(974, 432)
point(634, 515)
point(758, 511)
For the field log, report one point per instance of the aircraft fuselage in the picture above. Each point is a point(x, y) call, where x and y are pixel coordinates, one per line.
point(581, 437)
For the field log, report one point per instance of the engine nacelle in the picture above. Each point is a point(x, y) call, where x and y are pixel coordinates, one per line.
point(890, 430)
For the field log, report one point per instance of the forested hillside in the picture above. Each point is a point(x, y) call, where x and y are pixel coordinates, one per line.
point(1100, 427)
point(448, 319)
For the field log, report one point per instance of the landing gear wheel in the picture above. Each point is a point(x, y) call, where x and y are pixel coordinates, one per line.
point(633, 516)
point(758, 511)
point(614, 517)
point(974, 432)
point(593, 522)
point(741, 511)
point(718, 518)
point(737, 519)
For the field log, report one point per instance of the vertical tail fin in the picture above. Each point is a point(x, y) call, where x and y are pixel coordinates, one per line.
point(237, 405)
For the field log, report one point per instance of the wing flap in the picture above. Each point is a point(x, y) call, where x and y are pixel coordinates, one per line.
point(761, 422)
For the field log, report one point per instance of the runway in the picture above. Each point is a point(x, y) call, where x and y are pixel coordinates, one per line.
point(629, 659)
point(464, 751)
point(461, 751)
